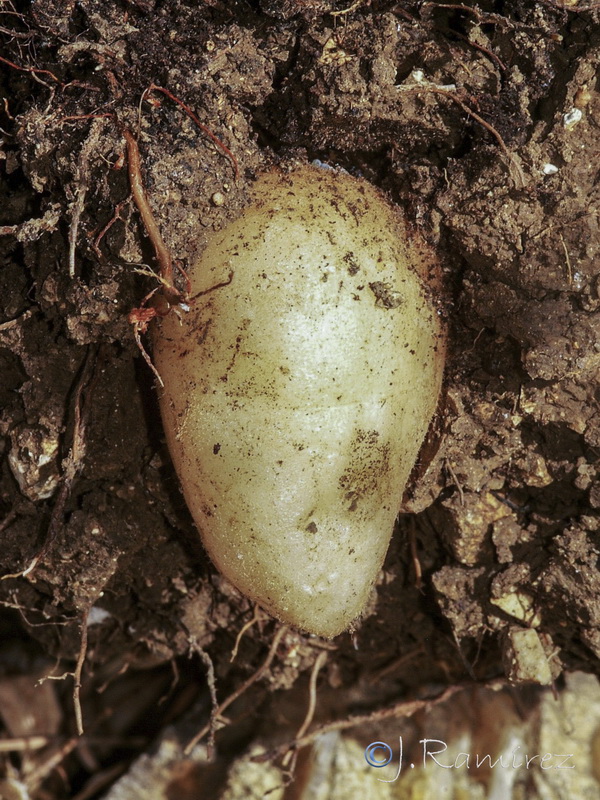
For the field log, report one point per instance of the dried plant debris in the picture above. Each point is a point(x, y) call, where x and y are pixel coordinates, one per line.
point(481, 121)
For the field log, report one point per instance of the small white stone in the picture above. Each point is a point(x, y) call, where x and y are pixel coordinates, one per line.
point(549, 169)
point(97, 616)
point(572, 117)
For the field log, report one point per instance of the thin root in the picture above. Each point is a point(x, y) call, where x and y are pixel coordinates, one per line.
point(457, 483)
point(312, 703)
point(349, 10)
point(401, 710)
point(211, 681)
point(73, 463)
point(154, 88)
point(246, 627)
point(34, 72)
point(82, 180)
point(144, 352)
point(77, 674)
point(107, 227)
point(240, 690)
point(163, 256)
point(567, 260)
point(415, 556)
point(451, 94)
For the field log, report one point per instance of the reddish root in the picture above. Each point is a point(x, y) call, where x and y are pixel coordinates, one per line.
point(107, 227)
point(163, 256)
point(144, 352)
point(154, 88)
point(32, 70)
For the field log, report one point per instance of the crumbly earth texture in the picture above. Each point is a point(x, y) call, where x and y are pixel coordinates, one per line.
point(482, 122)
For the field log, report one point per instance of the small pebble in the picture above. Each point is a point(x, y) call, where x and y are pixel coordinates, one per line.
point(572, 117)
point(218, 199)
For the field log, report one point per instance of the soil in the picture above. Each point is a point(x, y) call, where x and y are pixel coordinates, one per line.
point(483, 123)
